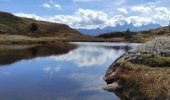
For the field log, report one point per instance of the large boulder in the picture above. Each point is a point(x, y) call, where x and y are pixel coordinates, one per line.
point(142, 73)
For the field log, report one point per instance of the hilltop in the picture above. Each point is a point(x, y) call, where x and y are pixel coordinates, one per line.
point(10, 24)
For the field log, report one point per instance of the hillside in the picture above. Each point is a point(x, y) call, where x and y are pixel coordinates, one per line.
point(141, 36)
point(10, 24)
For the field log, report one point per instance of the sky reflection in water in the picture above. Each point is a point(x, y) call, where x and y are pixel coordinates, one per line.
point(75, 75)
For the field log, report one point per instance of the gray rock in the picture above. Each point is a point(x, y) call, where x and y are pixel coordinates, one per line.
point(159, 46)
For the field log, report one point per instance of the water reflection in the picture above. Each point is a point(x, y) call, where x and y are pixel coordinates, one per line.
point(62, 73)
point(86, 56)
point(13, 53)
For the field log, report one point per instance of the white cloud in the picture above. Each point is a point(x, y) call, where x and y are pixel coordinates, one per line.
point(142, 9)
point(139, 21)
point(88, 56)
point(122, 10)
point(47, 69)
point(52, 4)
point(46, 5)
point(51, 70)
point(51, 1)
point(58, 6)
point(32, 16)
point(115, 20)
point(162, 13)
point(83, 18)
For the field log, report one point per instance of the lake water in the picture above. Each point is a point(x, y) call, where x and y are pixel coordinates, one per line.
point(57, 72)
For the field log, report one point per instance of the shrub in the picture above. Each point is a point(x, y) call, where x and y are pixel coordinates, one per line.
point(128, 33)
point(34, 27)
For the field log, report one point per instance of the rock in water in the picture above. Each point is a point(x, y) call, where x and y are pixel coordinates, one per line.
point(142, 73)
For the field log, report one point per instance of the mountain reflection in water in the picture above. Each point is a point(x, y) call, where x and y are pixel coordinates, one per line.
point(57, 72)
point(14, 53)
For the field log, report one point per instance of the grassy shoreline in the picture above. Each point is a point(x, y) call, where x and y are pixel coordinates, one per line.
point(23, 39)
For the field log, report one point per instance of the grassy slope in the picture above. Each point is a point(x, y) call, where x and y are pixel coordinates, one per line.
point(10, 24)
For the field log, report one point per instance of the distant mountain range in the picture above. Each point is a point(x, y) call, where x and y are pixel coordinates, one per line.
point(118, 28)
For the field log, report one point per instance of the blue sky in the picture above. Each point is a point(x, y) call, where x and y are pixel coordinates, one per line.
point(91, 13)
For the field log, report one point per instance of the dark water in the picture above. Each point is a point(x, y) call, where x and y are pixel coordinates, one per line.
point(57, 72)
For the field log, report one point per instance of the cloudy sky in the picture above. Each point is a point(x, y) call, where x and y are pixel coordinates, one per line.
point(91, 14)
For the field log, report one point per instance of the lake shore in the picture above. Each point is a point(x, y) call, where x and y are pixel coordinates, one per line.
point(24, 39)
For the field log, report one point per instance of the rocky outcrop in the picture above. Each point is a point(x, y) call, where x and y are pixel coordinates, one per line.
point(142, 73)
